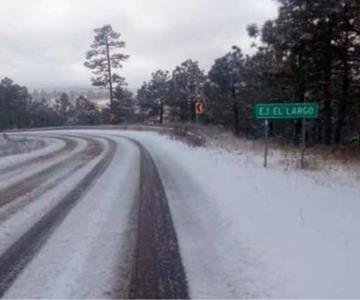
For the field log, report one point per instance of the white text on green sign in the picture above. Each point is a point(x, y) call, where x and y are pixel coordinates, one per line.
point(287, 111)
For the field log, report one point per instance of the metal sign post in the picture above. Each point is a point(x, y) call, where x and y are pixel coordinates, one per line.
point(266, 141)
point(303, 143)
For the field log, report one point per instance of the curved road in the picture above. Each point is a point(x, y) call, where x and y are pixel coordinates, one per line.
point(87, 216)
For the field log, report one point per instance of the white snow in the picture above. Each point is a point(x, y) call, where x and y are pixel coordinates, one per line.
point(11, 144)
point(244, 231)
point(51, 146)
point(249, 232)
point(86, 255)
point(9, 178)
point(13, 227)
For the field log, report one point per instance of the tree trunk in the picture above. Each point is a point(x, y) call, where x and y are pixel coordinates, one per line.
point(184, 107)
point(345, 91)
point(327, 88)
point(342, 104)
point(110, 78)
point(235, 110)
point(161, 113)
point(192, 115)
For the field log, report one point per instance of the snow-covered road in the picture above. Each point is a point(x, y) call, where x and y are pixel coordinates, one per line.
point(116, 214)
point(73, 222)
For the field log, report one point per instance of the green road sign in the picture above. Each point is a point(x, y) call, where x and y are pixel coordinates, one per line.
point(287, 111)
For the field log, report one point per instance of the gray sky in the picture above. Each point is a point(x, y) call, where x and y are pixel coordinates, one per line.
point(43, 42)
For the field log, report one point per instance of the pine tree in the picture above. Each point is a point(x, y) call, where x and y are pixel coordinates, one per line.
point(64, 108)
point(227, 76)
point(104, 58)
point(123, 105)
point(187, 83)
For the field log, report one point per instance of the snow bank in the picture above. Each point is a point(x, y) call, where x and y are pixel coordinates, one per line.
point(13, 158)
point(16, 144)
point(245, 231)
point(16, 175)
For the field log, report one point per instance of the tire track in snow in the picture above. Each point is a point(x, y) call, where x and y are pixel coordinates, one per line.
point(90, 153)
point(158, 271)
point(32, 182)
point(15, 258)
point(70, 145)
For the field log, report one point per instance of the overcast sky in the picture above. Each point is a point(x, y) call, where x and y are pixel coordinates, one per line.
point(43, 42)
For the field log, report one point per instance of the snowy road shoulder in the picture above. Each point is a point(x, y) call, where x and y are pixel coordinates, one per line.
point(11, 144)
point(51, 145)
point(249, 232)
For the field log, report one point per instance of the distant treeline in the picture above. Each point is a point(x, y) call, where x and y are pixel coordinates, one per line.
point(311, 52)
point(19, 110)
point(50, 95)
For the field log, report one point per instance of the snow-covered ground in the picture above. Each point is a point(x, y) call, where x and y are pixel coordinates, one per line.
point(246, 231)
point(14, 158)
point(86, 256)
point(243, 231)
point(19, 144)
